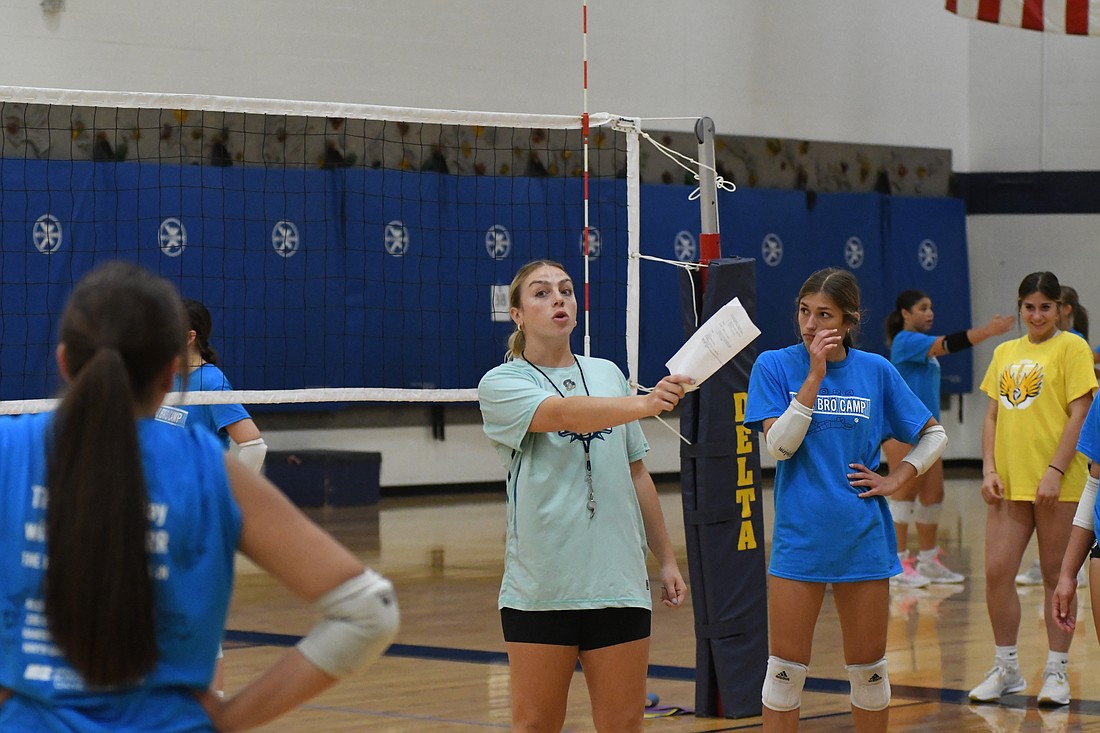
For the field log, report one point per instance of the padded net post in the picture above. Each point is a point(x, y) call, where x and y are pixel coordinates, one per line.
point(722, 492)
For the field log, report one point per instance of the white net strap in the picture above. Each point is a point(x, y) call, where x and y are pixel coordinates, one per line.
point(675, 263)
point(213, 103)
point(276, 397)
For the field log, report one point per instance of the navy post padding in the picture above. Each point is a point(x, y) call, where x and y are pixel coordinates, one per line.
point(714, 516)
point(707, 450)
point(725, 542)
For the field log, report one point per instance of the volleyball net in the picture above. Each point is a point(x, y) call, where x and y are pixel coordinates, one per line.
point(346, 252)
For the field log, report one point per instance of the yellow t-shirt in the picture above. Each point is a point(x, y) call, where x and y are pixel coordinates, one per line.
point(1034, 384)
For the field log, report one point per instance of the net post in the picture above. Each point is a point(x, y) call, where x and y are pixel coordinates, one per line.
point(631, 127)
point(722, 491)
point(724, 536)
point(584, 138)
point(709, 244)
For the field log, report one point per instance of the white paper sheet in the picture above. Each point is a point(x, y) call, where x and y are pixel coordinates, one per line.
point(714, 343)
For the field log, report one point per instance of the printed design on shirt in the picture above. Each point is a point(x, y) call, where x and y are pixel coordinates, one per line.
point(838, 409)
point(46, 664)
point(1021, 382)
point(585, 438)
point(171, 415)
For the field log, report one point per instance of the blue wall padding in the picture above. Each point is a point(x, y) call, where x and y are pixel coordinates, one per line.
point(343, 311)
point(791, 235)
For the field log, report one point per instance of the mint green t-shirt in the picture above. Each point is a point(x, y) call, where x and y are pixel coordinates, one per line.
point(557, 556)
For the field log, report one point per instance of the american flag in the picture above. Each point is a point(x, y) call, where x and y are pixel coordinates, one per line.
point(1073, 17)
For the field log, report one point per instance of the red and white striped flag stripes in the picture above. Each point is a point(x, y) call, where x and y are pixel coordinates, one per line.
point(1073, 17)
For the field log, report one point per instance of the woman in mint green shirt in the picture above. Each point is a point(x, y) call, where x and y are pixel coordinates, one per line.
point(582, 510)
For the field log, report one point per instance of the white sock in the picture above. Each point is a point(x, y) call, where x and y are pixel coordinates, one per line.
point(928, 555)
point(903, 555)
point(1006, 656)
point(1059, 658)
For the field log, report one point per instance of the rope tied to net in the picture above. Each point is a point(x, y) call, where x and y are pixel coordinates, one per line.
point(675, 263)
point(677, 158)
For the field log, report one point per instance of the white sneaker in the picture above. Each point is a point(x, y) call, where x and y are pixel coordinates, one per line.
point(909, 577)
point(1055, 689)
point(937, 572)
point(1031, 576)
point(998, 681)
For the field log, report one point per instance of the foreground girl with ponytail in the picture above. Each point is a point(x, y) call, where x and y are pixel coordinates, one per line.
point(118, 533)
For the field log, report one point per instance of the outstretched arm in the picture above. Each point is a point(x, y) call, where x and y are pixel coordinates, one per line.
point(960, 340)
point(583, 414)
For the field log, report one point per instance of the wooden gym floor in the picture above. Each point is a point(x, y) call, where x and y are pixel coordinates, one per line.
point(448, 671)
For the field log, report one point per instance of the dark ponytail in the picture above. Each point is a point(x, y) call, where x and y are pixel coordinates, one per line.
point(895, 321)
point(203, 325)
point(121, 330)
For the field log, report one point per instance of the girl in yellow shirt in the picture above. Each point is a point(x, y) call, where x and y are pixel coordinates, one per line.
point(1040, 388)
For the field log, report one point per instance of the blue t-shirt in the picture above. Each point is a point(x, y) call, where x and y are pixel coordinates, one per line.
point(208, 378)
point(823, 531)
point(1089, 444)
point(909, 354)
point(194, 529)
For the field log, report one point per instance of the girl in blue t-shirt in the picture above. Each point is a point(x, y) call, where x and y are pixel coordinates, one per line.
point(115, 602)
point(226, 421)
point(823, 408)
point(914, 351)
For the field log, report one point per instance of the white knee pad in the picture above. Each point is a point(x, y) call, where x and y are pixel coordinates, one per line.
point(902, 511)
point(361, 619)
point(870, 685)
point(783, 685)
point(928, 513)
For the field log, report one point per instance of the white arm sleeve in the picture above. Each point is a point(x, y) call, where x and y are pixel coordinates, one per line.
point(252, 453)
point(788, 431)
point(361, 619)
point(932, 443)
point(1087, 506)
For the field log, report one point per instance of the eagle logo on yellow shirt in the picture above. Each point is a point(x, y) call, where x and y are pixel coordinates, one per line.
point(1021, 383)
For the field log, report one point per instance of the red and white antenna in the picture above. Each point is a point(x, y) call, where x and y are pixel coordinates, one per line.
point(584, 137)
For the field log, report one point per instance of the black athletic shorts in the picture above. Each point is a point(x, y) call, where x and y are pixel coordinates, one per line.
point(586, 629)
point(1094, 553)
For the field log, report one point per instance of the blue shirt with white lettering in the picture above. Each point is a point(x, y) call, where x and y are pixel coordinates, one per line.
point(193, 531)
point(909, 354)
point(823, 531)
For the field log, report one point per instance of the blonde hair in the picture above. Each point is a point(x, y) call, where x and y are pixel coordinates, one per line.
point(517, 341)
